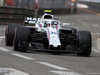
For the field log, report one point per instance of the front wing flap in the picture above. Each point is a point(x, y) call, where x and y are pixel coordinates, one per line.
point(40, 47)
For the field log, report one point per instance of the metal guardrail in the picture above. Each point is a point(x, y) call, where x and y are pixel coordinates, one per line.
point(12, 14)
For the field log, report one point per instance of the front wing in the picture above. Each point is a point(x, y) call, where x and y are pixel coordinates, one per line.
point(40, 47)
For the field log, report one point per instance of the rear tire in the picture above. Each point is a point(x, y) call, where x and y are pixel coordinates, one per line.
point(21, 34)
point(84, 43)
point(9, 34)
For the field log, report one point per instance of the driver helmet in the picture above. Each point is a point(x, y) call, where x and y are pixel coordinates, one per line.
point(54, 24)
point(47, 24)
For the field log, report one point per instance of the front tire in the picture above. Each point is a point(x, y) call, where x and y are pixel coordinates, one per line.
point(84, 43)
point(21, 34)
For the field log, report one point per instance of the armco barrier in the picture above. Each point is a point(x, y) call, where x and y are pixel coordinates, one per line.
point(14, 15)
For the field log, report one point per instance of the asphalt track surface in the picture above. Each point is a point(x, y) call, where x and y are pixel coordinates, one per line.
point(45, 63)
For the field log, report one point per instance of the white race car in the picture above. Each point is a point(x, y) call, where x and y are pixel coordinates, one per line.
point(47, 35)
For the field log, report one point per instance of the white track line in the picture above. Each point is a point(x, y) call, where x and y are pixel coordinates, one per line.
point(2, 37)
point(95, 25)
point(95, 50)
point(4, 49)
point(98, 43)
point(22, 56)
point(95, 33)
point(65, 73)
point(53, 66)
point(11, 71)
point(0, 40)
point(92, 73)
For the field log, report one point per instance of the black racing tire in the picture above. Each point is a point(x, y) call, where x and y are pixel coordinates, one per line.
point(21, 34)
point(84, 39)
point(9, 33)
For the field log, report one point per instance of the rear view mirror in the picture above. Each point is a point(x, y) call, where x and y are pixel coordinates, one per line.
point(66, 24)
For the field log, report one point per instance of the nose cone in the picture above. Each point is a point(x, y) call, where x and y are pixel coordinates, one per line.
point(53, 37)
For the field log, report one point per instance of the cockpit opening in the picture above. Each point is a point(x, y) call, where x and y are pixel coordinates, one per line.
point(47, 17)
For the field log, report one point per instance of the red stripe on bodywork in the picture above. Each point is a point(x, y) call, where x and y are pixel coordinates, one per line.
point(56, 27)
point(40, 25)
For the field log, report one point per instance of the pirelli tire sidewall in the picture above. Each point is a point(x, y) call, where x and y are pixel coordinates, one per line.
point(9, 33)
point(84, 39)
point(21, 34)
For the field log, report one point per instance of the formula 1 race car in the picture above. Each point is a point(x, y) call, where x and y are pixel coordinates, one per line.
point(47, 35)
